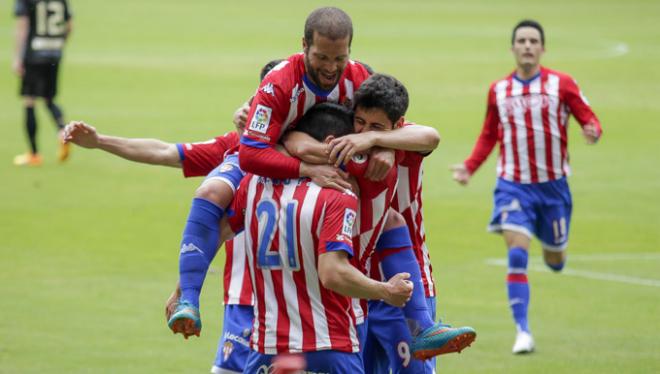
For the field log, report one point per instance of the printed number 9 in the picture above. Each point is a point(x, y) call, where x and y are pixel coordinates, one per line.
point(404, 352)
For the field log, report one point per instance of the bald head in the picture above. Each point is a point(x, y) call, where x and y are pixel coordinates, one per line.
point(332, 23)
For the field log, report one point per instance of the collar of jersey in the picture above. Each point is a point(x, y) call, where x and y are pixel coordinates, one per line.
point(315, 89)
point(525, 82)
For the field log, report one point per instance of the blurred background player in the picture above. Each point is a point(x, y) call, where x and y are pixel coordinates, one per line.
point(42, 28)
point(528, 114)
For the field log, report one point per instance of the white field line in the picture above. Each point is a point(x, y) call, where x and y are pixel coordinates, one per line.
point(593, 274)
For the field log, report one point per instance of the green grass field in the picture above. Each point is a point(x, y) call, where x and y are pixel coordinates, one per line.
point(89, 248)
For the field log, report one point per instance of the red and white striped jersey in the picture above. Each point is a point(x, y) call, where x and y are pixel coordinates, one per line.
point(530, 120)
point(408, 202)
point(283, 97)
point(199, 159)
point(375, 199)
point(288, 224)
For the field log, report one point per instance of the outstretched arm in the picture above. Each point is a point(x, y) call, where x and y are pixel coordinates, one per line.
point(147, 151)
point(22, 25)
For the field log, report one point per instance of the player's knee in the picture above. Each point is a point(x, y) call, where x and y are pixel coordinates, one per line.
point(215, 191)
point(28, 102)
point(394, 220)
point(554, 260)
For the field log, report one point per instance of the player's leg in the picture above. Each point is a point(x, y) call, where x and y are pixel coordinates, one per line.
point(554, 223)
point(201, 237)
point(29, 85)
point(514, 217)
point(390, 342)
point(50, 77)
point(394, 249)
point(234, 344)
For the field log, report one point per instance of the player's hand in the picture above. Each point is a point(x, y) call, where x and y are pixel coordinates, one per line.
point(240, 118)
point(460, 174)
point(80, 133)
point(381, 160)
point(399, 290)
point(590, 133)
point(18, 67)
point(326, 176)
point(344, 148)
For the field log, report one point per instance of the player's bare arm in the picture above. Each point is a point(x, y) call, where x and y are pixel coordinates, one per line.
point(22, 27)
point(306, 148)
point(416, 138)
point(337, 274)
point(147, 151)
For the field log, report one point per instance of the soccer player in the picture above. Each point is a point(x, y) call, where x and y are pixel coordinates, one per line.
point(42, 28)
point(527, 114)
point(380, 103)
point(223, 176)
point(323, 72)
point(299, 242)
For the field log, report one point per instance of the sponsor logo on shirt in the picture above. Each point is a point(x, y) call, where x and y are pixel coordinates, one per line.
point(349, 220)
point(268, 89)
point(261, 119)
point(297, 90)
point(526, 102)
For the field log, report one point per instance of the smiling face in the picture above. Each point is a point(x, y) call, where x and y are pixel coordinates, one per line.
point(527, 48)
point(325, 60)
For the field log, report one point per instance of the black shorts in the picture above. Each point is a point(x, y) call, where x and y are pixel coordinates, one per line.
point(40, 80)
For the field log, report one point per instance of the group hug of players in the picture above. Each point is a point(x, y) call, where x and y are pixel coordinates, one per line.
point(317, 197)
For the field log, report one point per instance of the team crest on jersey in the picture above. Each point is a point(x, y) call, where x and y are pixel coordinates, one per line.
point(261, 119)
point(349, 220)
point(227, 349)
point(225, 167)
point(269, 89)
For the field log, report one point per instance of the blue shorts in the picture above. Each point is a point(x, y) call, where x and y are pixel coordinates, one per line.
point(234, 344)
point(228, 171)
point(321, 362)
point(539, 209)
point(388, 341)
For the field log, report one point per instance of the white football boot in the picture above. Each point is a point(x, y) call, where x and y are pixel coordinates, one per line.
point(524, 343)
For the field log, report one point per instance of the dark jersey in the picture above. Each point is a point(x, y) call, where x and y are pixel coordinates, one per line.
point(47, 31)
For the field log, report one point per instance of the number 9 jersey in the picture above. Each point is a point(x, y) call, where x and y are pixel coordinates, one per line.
point(48, 29)
point(288, 224)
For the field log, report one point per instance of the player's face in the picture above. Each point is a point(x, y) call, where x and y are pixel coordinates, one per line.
point(527, 47)
point(325, 60)
point(371, 119)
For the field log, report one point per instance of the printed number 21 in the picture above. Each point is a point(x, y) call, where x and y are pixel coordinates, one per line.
point(267, 211)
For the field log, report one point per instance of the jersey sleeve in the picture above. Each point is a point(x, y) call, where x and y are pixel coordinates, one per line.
point(488, 137)
point(21, 8)
point(578, 104)
point(236, 216)
point(199, 159)
point(337, 226)
point(264, 126)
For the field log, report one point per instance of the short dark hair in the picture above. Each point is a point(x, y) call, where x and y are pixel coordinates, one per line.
point(528, 23)
point(325, 119)
point(382, 91)
point(331, 22)
point(268, 67)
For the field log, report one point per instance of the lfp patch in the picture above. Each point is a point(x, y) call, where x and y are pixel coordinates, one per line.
point(261, 119)
point(349, 220)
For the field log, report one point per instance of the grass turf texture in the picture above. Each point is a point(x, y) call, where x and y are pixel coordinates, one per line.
point(89, 248)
